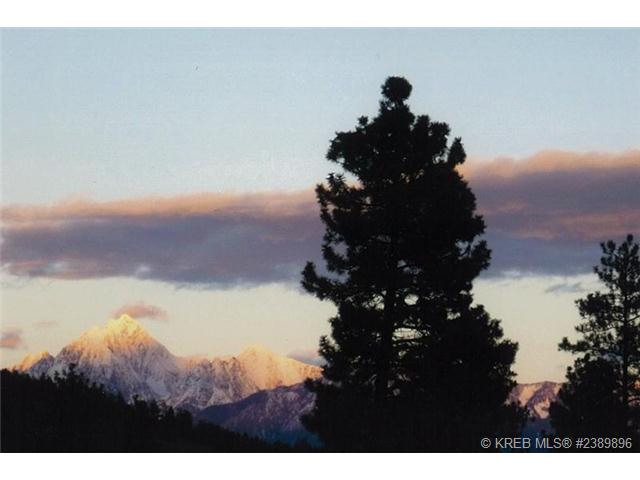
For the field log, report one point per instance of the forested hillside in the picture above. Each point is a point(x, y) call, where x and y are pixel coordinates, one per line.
point(67, 414)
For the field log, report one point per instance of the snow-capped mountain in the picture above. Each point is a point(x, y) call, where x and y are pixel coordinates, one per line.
point(229, 379)
point(272, 415)
point(537, 397)
point(126, 359)
point(36, 364)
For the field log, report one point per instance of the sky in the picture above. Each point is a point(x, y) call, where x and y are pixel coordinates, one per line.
point(170, 173)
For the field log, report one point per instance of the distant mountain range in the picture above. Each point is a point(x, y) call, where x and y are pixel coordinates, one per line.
point(256, 392)
point(127, 360)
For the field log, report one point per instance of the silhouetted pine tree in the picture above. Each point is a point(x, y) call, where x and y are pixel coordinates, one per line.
point(602, 392)
point(411, 363)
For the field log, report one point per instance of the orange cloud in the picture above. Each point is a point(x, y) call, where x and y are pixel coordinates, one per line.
point(249, 205)
point(12, 339)
point(550, 161)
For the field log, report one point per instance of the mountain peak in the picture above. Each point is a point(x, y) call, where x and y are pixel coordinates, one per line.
point(33, 359)
point(123, 333)
point(123, 323)
point(256, 349)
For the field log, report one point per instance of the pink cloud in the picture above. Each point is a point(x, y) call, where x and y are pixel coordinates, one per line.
point(241, 205)
point(142, 310)
point(551, 161)
point(12, 339)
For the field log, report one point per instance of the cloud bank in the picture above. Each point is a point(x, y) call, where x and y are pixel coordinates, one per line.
point(142, 310)
point(560, 195)
point(544, 214)
point(212, 239)
point(548, 213)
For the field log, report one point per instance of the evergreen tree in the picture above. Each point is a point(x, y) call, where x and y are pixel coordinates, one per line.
point(411, 364)
point(609, 349)
point(588, 404)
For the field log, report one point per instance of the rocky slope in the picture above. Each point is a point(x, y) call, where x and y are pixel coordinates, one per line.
point(272, 415)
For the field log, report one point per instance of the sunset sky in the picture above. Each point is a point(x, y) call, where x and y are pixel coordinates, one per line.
point(170, 174)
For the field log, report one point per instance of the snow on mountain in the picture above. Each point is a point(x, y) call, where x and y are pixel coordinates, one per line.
point(536, 397)
point(126, 359)
point(229, 379)
point(36, 363)
point(256, 392)
point(267, 370)
point(272, 415)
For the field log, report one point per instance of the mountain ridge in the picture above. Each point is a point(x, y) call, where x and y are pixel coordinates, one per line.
point(127, 360)
point(272, 415)
point(255, 392)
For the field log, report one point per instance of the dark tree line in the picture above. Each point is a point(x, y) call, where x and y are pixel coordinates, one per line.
point(412, 364)
point(69, 414)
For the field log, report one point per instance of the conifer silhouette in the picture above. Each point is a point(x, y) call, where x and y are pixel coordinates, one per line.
point(411, 364)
